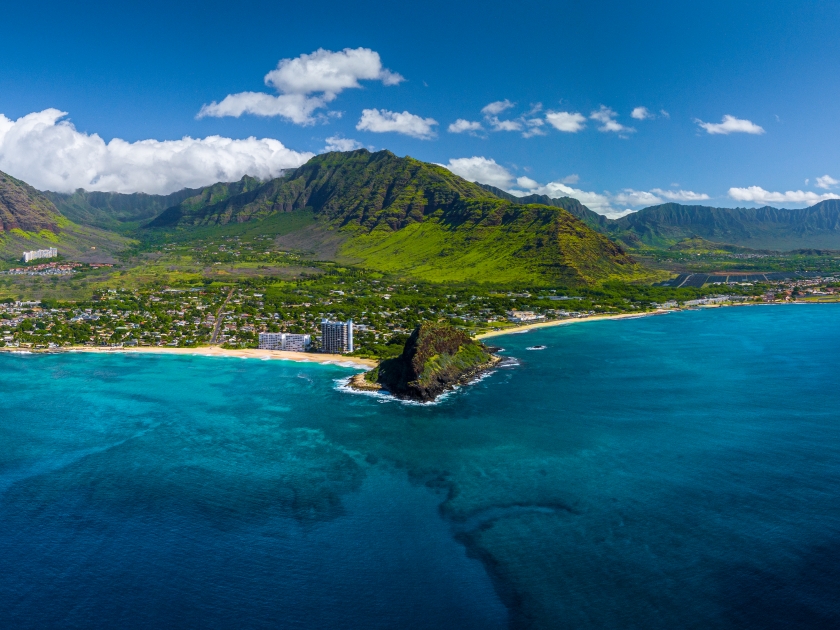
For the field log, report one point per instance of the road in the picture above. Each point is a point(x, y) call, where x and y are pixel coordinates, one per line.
point(219, 318)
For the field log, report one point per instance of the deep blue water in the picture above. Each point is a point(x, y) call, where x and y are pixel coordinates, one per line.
point(673, 471)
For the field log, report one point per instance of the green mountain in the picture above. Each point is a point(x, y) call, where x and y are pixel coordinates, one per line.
point(758, 228)
point(29, 220)
point(663, 226)
point(115, 211)
point(405, 216)
point(594, 220)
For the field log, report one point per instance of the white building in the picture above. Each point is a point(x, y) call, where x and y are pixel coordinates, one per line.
point(336, 337)
point(524, 316)
point(35, 254)
point(285, 341)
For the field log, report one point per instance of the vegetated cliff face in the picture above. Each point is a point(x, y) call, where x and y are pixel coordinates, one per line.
point(403, 216)
point(24, 208)
point(435, 358)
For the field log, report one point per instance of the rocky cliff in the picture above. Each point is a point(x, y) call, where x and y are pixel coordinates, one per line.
point(435, 358)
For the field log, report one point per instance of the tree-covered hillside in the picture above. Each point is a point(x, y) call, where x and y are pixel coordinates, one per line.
point(29, 220)
point(406, 216)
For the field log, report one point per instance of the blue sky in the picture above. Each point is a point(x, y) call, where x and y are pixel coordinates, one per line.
point(573, 73)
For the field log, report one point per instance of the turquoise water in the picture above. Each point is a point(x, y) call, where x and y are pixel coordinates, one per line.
point(673, 471)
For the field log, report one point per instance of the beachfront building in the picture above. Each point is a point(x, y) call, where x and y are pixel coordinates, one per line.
point(285, 341)
point(35, 254)
point(524, 316)
point(336, 337)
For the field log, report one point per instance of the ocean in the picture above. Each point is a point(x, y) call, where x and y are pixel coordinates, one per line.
point(677, 471)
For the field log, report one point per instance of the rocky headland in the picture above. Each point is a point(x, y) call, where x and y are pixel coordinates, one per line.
point(436, 358)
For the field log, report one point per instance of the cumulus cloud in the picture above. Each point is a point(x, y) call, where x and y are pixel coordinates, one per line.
point(481, 169)
point(340, 143)
point(757, 194)
point(496, 107)
point(730, 124)
point(527, 183)
point(529, 124)
point(305, 84)
point(382, 121)
point(465, 126)
point(606, 117)
point(534, 127)
point(826, 182)
point(49, 153)
point(570, 122)
point(487, 171)
point(680, 195)
point(641, 113)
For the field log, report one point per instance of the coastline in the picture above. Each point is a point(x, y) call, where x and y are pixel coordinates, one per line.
point(216, 351)
point(566, 322)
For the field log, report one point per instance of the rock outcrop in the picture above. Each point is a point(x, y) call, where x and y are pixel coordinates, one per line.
point(436, 358)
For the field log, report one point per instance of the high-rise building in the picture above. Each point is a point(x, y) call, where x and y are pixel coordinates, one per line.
point(35, 254)
point(285, 341)
point(336, 337)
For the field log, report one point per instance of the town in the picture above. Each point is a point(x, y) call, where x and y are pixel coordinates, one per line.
point(333, 309)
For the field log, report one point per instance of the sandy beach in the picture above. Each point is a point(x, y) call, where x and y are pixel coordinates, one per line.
point(216, 351)
point(564, 322)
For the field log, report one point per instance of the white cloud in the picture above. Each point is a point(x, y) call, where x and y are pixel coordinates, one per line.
point(606, 117)
point(680, 195)
point(497, 107)
point(825, 182)
point(305, 84)
point(50, 154)
point(339, 143)
point(504, 125)
point(596, 202)
point(382, 121)
point(757, 194)
point(630, 197)
point(641, 113)
point(527, 183)
point(730, 124)
point(481, 169)
point(527, 124)
point(664, 114)
point(487, 171)
point(534, 127)
point(468, 126)
point(570, 122)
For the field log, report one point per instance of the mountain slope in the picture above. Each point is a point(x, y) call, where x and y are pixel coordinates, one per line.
point(24, 208)
point(29, 220)
point(405, 216)
point(592, 219)
point(817, 226)
point(112, 211)
point(758, 228)
point(357, 187)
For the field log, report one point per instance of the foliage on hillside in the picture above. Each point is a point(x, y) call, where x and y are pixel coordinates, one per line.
point(24, 208)
point(359, 188)
point(115, 211)
point(406, 216)
point(436, 357)
point(29, 220)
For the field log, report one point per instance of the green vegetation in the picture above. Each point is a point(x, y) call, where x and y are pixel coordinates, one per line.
point(435, 357)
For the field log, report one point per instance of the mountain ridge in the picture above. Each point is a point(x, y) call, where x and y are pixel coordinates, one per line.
point(402, 215)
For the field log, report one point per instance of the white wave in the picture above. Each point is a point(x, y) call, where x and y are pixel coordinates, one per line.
point(343, 385)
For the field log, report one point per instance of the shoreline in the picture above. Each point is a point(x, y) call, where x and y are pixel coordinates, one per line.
point(594, 318)
point(566, 322)
point(216, 351)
